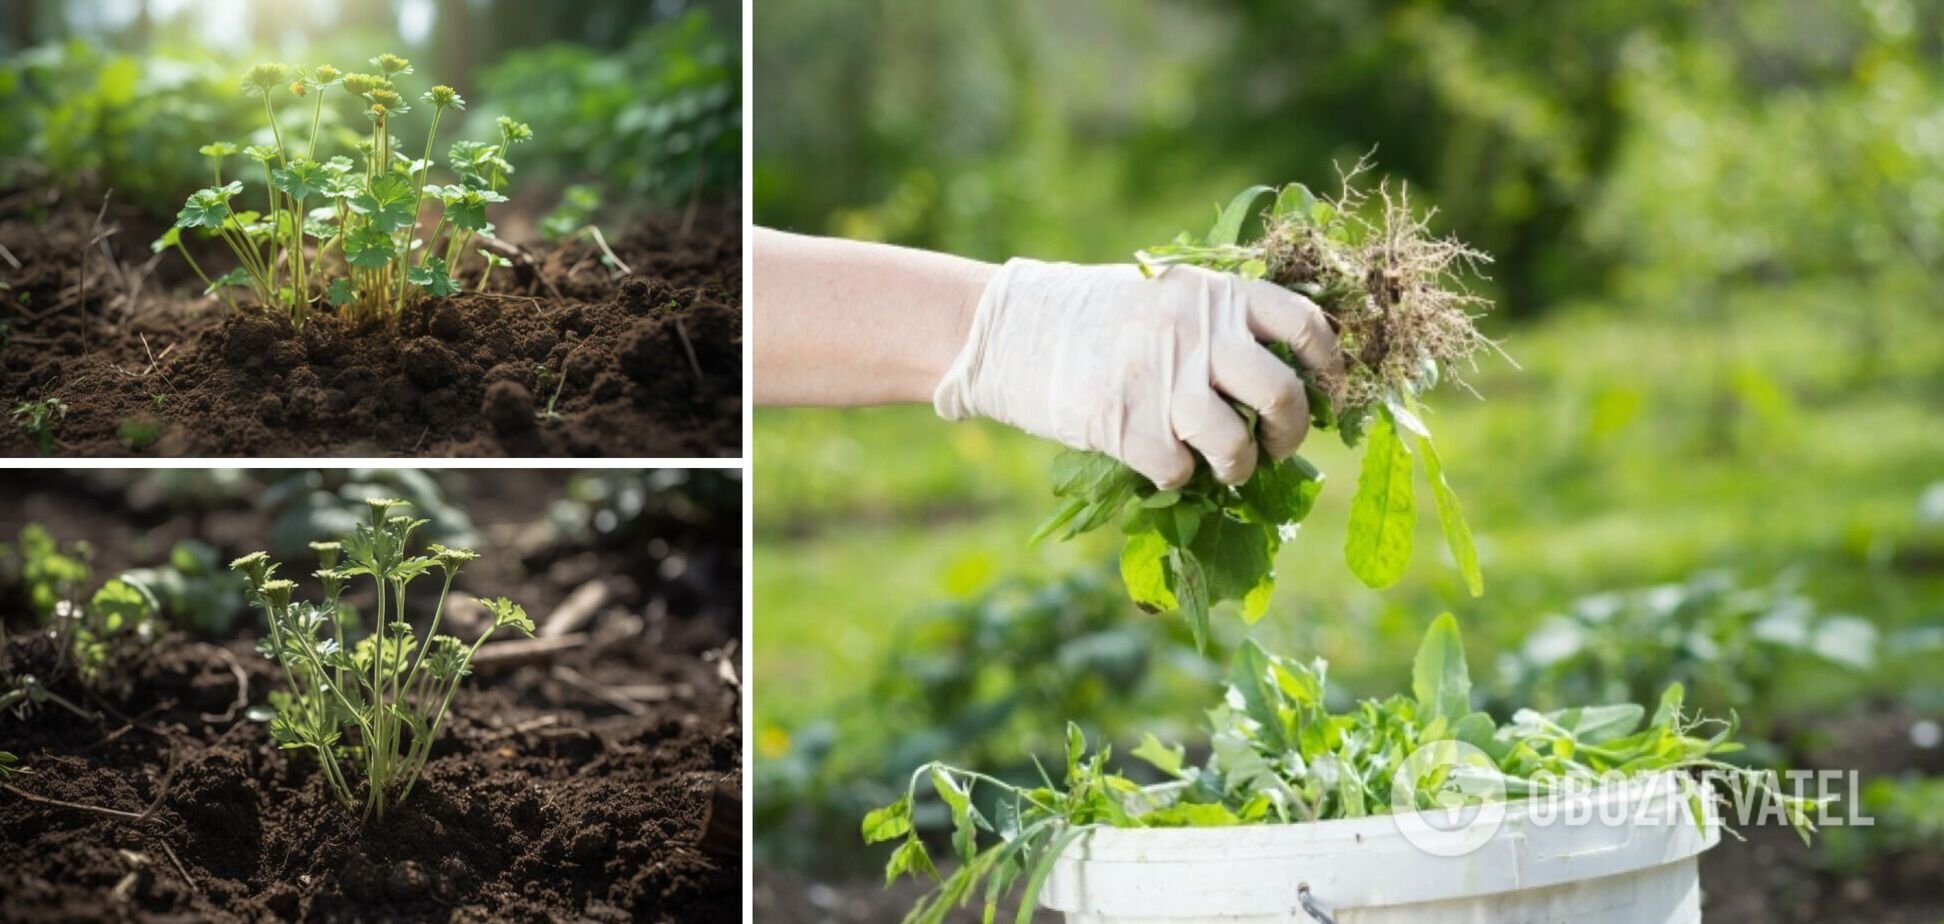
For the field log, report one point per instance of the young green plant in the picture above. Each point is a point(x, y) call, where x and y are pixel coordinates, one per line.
point(371, 206)
point(370, 712)
point(96, 641)
point(1394, 295)
point(37, 418)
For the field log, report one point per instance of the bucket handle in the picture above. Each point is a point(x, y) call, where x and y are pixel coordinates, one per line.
point(1308, 902)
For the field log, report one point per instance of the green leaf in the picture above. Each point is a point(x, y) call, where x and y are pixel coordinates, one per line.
point(235, 277)
point(509, 615)
point(1076, 747)
point(1282, 493)
point(1295, 199)
point(1030, 898)
point(432, 277)
point(208, 207)
point(368, 247)
point(1161, 499)
point(883, 824)
point(468, 208)
point(1382, 514)
point(909, 859)
point(1599, 724)
point(1439, 678)
point(341, 292)
point(1192, 815)
point(300, 180)
point(1144, 569)
point(121, 605)
point(169, 238)
point(1229, 221)
point(387, 204)
point(1668, 714)
point(1457, 533)
point(1238, 560)
point(964, 823)
point(1190, 587)
point(1165, 759)
point(1079, 472)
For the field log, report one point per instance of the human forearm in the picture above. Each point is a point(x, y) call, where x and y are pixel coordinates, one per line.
point(841, 322)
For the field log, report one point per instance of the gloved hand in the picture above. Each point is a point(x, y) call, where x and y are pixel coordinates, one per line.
point(1102, 358)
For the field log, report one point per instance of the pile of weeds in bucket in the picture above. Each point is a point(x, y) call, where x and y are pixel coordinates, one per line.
point(1278, 755)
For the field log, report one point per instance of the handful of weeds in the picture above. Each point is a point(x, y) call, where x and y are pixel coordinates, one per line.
point(376, 706)
point(1278, 755)
point(365, 208)
point(1395, 297)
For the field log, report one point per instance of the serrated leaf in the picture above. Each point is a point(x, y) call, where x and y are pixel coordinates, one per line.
point(341, 292)
point(367, 247)
point(387, 204)
point(1383, 514)
point(301, 179)
point(208, 207)
point(432, 277)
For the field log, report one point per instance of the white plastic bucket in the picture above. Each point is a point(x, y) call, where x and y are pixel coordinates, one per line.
point(1631, 858)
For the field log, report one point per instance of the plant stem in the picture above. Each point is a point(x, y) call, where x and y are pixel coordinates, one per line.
point(222, 292)
point(375, 749)
point(274, 128)
point(317, 116)
point(436, 228)
point(437, 612)
point(418, 202)
point(274, 240)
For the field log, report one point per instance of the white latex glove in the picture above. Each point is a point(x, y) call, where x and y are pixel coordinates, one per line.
point(1102, 358)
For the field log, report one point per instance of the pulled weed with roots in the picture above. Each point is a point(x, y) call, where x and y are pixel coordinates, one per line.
point(1396, 295)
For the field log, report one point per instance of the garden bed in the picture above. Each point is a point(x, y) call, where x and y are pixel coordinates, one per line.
point(549, 796)
point(651, 359)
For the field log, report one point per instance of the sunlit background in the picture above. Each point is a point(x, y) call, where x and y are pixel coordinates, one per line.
point(635, 104)
point(1719, 232)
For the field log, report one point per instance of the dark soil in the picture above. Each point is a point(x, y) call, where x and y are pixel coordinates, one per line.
point(543, 801)
point(651, 361)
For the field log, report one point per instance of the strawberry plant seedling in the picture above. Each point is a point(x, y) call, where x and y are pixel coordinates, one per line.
point(1393, 294)
point(366, 209)
point(1278, 755)
point(378, 706)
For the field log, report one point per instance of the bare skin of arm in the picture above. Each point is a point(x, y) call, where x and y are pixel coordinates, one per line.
point(845, 323)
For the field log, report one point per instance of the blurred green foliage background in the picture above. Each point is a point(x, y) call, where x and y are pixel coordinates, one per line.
point(1719, 232)
point(641, 100)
